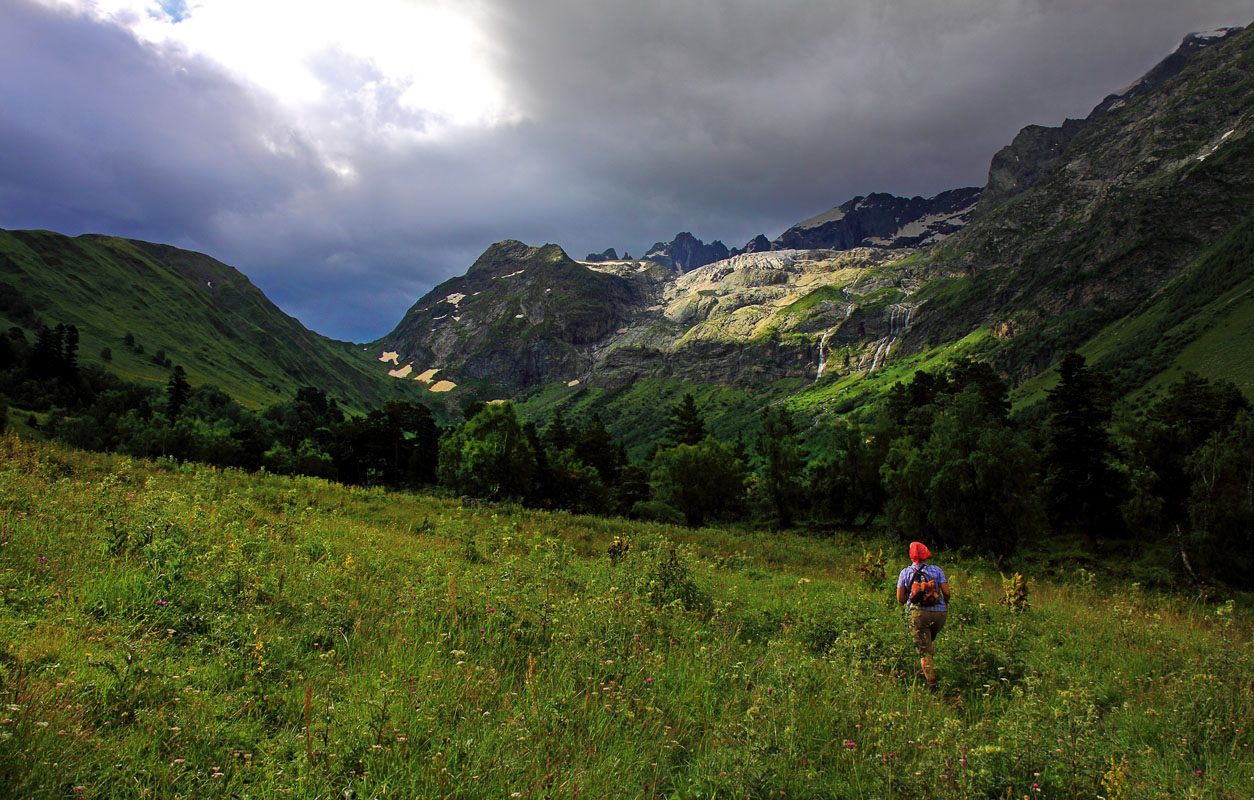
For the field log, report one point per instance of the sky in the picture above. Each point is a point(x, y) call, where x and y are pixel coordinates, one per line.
point(349, 156)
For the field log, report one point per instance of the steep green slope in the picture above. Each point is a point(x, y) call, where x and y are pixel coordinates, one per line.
point(196, 311)
point(1201, 322)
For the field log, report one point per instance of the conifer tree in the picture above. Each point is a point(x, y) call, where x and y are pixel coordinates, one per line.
point(557, 435)
point(596, 448)
point(177, 391)
point(69, 351)
point(685, 425)
point(1084, 489)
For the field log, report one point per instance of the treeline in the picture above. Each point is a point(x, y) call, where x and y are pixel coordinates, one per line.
point(941, 459)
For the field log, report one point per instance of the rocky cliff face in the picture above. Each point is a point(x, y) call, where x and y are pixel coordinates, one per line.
point(883, 220)
point(609, 254)
point(1038, 150)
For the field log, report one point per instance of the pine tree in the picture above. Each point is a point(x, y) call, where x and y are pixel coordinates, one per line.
point(177, 391)
point(557, 435)
point(596, 448)
point(1083, 487)
point(69, 352)
point(685, 424)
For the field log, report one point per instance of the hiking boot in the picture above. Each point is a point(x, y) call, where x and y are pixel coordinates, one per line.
point(932, 687)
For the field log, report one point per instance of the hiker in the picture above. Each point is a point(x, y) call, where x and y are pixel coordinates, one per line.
point(926, 589)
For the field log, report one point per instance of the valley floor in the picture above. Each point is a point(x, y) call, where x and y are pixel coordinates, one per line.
point(180, 631)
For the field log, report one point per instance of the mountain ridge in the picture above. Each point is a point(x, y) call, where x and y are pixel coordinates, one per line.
point(196, 311)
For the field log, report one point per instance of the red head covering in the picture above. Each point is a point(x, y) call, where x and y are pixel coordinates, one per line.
point(919, 552)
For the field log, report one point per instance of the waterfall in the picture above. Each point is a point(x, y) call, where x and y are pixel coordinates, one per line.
point(822, 350)
point(900, 317)
point(879, 352)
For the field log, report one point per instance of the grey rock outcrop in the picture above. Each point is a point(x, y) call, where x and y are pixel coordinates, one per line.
point(686, 252)
point(883, 220)
point(609, 254)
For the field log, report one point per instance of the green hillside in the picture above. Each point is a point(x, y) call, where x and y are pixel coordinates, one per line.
point(191, 632)
point(185, 306)
point(1201, 322)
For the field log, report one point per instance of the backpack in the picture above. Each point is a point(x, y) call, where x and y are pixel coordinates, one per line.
point(923, 591)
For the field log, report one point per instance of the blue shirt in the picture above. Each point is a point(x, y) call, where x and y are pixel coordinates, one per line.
point(933, 572)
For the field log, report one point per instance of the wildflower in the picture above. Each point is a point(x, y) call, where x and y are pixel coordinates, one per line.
point(850, 744)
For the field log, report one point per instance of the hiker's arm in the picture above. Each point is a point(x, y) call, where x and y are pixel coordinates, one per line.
point(944, 587)
point(901, 594)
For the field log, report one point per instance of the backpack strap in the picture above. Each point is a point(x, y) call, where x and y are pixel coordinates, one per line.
point(917, 570)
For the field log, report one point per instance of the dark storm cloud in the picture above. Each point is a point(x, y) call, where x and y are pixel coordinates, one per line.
point(638, 120)
point(750, 115)
point(99, 131)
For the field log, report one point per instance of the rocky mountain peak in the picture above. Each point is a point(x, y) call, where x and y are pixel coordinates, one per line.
point(609, 254)
point(686, 252)
point(1038, 150)
point(511, 255)
point(883, 220)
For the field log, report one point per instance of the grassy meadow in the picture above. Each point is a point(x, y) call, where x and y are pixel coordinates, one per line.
point(174, 630)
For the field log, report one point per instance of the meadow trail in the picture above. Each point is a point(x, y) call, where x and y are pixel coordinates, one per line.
point(174, 630)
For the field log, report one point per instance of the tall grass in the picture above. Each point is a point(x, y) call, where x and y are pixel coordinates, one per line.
point(179, 631)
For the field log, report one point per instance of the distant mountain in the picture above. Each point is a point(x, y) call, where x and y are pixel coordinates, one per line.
point(1118, 210)
point(1037, 150)
point(883, 220)
point(520, 316)
point(758, 244)
point(186, 307)
point(609, 254)
point(686, 252)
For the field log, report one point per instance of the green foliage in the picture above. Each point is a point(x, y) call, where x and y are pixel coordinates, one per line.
point(196, 311)
point(1221, 508)
point(1175, 427)
point(965, 480)
point(781, 461)
point(872, 567)
point(842, 480)
point(703, 482)
point(668, 580)
point(488, 456)
point(177, 391)
point(1014, 593)
point(685, 425)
